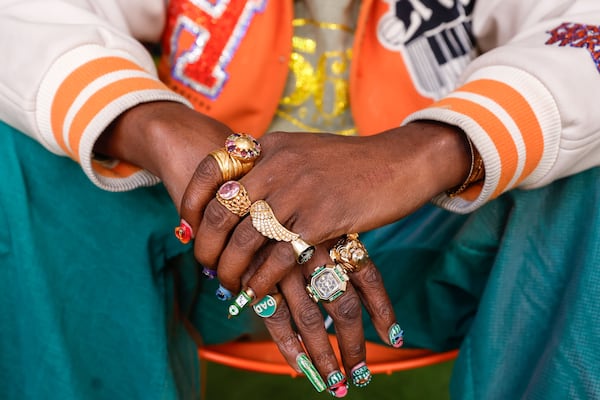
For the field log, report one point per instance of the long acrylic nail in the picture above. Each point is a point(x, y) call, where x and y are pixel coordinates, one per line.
point(308, 369)
point(361, 375)
point(241, 301)
point(209, 273)
point(396, 336)
point(337, 385)
point(183, 232)
point(223, 294)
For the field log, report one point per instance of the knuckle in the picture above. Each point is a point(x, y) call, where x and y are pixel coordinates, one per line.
point(347, 308)
point(369, 277)
point(356, 350)
point(282, 254)
point(245, 237)
point(207, 171)
point(309, 318)
point(217, 217)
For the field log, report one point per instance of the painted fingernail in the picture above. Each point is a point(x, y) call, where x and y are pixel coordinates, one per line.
point(308, 369)
point(223, 294)
point(241, 301)
point(396, 336)
point(267, 306)
point(361, 375)
point(183, 232)
point(209, 273)
point(337, 385)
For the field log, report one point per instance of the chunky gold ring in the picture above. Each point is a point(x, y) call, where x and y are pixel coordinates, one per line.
point(267, 224)
point(238, 155)
point(327, 283)
point(234, 197)
point(243, 147)
point(231, 168)
point(350, 253)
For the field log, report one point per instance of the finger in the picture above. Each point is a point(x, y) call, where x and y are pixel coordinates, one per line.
point(329, 284)
point(366, 278)
point(201, 189)
point(214, 229)
point(242, 249)
point(369, 283)
point(309, 321)
point(279, 325)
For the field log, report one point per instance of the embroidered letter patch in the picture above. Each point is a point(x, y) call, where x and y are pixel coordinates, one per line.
point(578, 35)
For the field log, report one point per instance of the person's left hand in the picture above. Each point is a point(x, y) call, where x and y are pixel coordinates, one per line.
point(298, 328)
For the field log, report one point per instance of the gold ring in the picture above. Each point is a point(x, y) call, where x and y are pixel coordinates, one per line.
point(243, 147)
point(327, 283)
point(238, 155)
point(231, 168)
point(267, 224)
point(234, 197)
point(350, 253)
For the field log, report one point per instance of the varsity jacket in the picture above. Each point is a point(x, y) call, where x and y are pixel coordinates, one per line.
point(520, 77)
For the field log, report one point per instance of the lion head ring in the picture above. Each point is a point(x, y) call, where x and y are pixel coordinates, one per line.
point(350, 253)
point(267, 224)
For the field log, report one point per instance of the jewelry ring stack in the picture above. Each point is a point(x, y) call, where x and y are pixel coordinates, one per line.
point(238, 155)
point(234, 196)
point(327, 283)
point(267, 224)
point(350, 253)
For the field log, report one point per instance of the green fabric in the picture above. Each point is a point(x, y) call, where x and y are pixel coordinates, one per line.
point(516, 285)
point(86, 295)
point(88, 281)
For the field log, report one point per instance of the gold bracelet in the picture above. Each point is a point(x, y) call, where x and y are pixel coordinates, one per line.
point(476, 172)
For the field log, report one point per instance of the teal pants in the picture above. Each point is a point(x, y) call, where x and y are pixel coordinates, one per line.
point(94, 287)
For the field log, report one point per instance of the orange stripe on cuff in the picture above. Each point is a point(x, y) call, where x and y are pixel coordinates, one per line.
point(75, 83)
point(100, 99)
point(121, 170)
point(497, 132)
point(521, 112)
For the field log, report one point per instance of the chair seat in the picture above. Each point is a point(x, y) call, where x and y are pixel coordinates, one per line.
point(264, 356)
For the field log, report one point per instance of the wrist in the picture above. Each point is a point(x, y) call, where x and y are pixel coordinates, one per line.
point(168, 139)
point(447, 161)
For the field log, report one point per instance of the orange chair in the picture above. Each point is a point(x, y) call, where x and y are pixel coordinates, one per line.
point(264, 356)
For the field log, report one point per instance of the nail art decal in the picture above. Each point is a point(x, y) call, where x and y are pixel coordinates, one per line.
point(183, 232)
point(308, 369)
point(223, 294)
point(209, 273)
point(241, 301)
point(361, 375)
point(337, 385)
point(396, 336)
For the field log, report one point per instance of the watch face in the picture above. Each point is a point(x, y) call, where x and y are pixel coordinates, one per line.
point(327, 283)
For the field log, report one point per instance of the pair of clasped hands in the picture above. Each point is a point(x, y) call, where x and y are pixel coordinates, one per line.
point(318, 186)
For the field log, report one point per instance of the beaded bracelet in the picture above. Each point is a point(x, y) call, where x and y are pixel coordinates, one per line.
point(476, 172)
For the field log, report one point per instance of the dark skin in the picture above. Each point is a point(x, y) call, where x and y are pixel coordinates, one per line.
point(318, 185)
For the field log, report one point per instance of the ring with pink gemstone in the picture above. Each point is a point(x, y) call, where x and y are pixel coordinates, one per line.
point(242, 147)
point(233, 196)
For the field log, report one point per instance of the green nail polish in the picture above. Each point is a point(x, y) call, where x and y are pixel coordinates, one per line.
point(242, 299)
point(361, 375)
point(396, 336)
point(308, 369)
